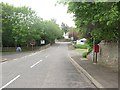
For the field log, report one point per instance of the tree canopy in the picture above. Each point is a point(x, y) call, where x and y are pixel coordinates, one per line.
point(99, 20)
point(20, 25)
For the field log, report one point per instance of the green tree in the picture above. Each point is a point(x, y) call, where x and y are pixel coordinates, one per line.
point(7, 17)
point(64, 27)
point(97, 20)
point(52, 32)
point(21, 25)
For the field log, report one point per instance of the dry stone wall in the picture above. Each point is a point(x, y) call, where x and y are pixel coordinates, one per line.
point(108, 55)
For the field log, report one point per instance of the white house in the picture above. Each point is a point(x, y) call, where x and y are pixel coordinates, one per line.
point(66, 36)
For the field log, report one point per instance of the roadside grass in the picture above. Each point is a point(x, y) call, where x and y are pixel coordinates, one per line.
point(81, 46)
point(81, 50)
point(7, 53)
point(85, 49)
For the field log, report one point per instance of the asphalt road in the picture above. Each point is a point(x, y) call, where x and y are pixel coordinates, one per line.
point(50, 68)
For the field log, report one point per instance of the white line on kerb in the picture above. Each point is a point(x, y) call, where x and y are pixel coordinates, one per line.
point(10, 82)
point(35, 64)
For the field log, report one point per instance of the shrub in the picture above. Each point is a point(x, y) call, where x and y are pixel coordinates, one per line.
point(81, 46)
point(86, 53)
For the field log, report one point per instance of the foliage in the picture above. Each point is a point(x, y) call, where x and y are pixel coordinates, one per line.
point(86, 53)
point(64, 27)
point(20, 25)
point(98, 20)
point(73, 32)
point(52, 31)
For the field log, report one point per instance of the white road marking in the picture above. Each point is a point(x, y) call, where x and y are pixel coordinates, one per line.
point(10, 82)
point(46, 56)
point(23, 57)
point(42, 50)
point(3, 63)
point(5, 59)
point(35, 53)
point(15, 59)
point(35, 64)
point(30, 55)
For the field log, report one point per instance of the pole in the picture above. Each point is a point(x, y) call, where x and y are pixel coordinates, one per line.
point(93, 50)
point(96, 58)
point(32, 47)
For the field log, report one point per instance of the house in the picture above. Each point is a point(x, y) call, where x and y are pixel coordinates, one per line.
point(66, 35)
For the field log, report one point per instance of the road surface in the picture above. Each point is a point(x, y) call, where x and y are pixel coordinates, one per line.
point(50, 68)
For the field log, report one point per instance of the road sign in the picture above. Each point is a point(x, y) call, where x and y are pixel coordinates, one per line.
point(32, 42)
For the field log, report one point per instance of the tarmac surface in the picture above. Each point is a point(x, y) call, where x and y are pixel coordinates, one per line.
point(56, 70)
point(49, 68)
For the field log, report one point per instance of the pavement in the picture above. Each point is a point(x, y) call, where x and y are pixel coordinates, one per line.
point(100, 76)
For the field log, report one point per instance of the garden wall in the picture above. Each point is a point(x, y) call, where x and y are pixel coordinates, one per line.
point(108, 55)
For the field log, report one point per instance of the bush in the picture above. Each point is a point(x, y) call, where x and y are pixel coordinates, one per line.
point(86, 53)
point(81, 46)
point(84, 46)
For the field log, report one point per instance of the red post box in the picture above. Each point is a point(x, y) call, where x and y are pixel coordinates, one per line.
point(96, 48)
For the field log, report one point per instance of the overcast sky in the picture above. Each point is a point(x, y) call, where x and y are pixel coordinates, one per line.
point(46, 9)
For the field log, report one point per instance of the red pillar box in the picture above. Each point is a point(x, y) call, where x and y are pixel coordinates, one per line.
point(96, 48)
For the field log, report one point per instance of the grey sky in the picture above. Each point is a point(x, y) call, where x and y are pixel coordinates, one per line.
point(46, 9)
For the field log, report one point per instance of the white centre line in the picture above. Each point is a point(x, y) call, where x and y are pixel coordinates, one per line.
point(15, 59)
point(42, 50)
point(46, 56)
point(35, 64)
point(10, 82)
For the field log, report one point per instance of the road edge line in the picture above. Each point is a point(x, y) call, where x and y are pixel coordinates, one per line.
point(95, 82)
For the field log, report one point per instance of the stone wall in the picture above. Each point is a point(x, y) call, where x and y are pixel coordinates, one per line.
point(108, 55)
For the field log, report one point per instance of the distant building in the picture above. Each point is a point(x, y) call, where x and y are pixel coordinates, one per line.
point(66, 35)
